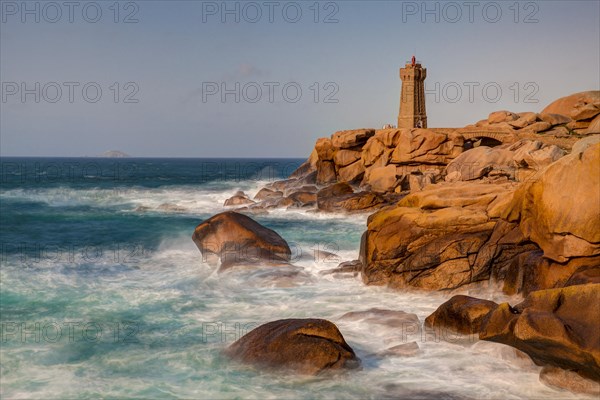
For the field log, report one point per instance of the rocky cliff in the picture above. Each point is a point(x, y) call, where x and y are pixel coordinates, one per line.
point(382, 165)
point(513, 199)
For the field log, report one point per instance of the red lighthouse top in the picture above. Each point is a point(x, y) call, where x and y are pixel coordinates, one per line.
point(413, 61)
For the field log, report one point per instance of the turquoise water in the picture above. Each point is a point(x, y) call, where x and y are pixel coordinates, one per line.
point(104, 295)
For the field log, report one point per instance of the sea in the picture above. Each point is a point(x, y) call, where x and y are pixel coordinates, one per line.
point(104, 294)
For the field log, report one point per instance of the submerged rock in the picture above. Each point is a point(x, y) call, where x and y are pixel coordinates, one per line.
point(401, 350)
point(266, 193)
point(563, 379)
point(279, 276)
point(170, 207)
point(351, 268)
point(238, 200)
point(304, 346)
point(391, 318)
point(394, 391)
point(506, 353)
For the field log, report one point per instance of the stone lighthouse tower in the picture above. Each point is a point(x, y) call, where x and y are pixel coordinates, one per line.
point(412, 112)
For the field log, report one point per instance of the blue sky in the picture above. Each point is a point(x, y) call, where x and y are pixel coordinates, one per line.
point(178, 51)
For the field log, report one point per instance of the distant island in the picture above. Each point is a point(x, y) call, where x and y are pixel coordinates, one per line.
point(114, 154)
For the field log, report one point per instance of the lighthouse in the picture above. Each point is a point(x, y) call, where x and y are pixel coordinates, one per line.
point(412, 112)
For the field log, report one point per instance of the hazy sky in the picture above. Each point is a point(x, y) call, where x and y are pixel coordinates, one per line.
point(179, 56)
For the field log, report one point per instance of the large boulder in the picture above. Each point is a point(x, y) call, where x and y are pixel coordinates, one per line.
point(352, 138)
point(531, 271)
point(303, 197)
point(556, 132)
point(265, 193)
point(341, 197)
point(342, 158)
point(579, 127)
point(237, 239)
point(325, 172)
point(555, 119)
point(584, 275)
point(353, 202)
point(462, 314)
point(502, 116)
point(569, 104)
point(346, 269)
point(559, 210)
point(538, 127)
point(381, 179)
point(581, 145)
point(372, 151)
point(443, 237)
point(530, 157)
point(304, 346)
point(418, 181)
point(555, 327)
point(594, 126)
point(324, 148)
point(478, 162)
point(281, 185)
point(351, 173)
point(389, 137)
point(586, 111)
point(335, 190)
point(483, 123)
point(525, 119)
point(424, 146)
point(382, 161)
point(238, 199)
